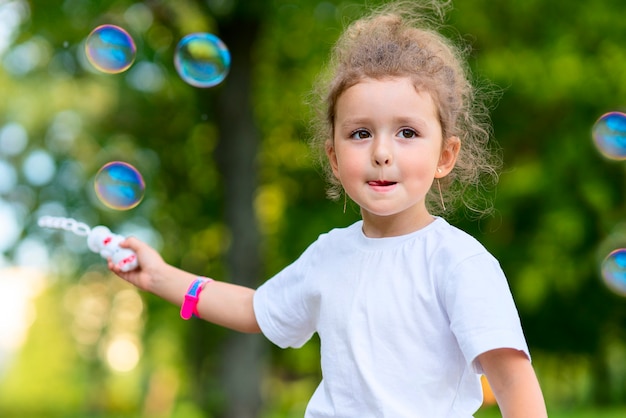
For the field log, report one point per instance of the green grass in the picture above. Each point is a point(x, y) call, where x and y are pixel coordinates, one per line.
point(494, 412)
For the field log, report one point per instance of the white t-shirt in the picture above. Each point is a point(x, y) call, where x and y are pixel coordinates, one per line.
point(401, 320)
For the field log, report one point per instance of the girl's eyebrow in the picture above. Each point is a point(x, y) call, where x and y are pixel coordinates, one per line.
point(411, 120)
point(350, 122)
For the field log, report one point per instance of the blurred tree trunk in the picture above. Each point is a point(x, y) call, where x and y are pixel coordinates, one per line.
point(236, 157)
point(240, 356)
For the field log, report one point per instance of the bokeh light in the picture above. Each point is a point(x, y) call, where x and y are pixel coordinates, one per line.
point(609, 135)
point(119, 185)
point(12, 14)
point(110, 49)
point(13, 139)
point(8, 177)
point(202, 60)
point(613, 271)
point(39, 167)
point(122, 353)
point(10, 225)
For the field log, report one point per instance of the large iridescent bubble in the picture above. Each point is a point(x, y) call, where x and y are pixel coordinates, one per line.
point(609, 135)
point(119, 185)
point(613, 271)
point(110, 49)
point(202, 59)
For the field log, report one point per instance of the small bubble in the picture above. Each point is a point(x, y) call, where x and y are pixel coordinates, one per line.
point(613, 271)
point(110, 49)
point(609, 135)
point(119, 185)
point(202, 60)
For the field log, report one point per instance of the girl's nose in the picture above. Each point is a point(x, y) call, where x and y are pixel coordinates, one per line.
point(381, 154)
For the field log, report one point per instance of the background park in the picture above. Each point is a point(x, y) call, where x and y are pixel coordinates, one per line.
point(232, 192)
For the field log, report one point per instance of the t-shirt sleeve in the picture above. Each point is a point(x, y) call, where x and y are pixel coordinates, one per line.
point(481, 309)
point(283, 306)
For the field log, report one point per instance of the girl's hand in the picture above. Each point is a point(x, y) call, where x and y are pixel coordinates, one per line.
point(150, 269)
point(224, 304)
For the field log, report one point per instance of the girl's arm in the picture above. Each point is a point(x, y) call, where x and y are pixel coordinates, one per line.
point(221, 303)
point(514, 383)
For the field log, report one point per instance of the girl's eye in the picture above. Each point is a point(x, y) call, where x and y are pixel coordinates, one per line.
point(407, 133)
point(360, 134)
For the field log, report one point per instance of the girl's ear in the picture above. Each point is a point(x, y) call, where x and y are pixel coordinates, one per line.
point(449, 154)
point(332, 157)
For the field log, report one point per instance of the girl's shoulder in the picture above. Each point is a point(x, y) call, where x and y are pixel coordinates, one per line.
point(452, 243)
point(453, 234)
point(340, 234)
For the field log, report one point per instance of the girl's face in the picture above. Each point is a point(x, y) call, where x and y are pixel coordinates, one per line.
point(386, 151)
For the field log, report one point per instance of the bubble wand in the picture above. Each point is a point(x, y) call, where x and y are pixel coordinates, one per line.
point(100, 240)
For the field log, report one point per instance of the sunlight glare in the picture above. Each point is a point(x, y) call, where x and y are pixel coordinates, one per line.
point(19, 287)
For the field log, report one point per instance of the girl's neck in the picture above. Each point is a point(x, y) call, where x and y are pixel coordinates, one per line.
point(375, 226)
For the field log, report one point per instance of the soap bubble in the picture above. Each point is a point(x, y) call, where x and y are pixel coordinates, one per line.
point(609, 135)
point(110, 49)
point(202, 60)
point(613, 271)
point(119, 185)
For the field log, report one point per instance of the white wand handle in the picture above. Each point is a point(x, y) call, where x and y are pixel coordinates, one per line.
point(100, 240)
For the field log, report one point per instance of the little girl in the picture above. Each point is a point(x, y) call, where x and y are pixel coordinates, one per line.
point(410, 310)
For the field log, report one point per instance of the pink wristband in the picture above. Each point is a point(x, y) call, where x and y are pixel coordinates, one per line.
point(190, 303)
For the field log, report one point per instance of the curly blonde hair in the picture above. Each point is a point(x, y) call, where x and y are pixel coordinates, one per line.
point(404, 39)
